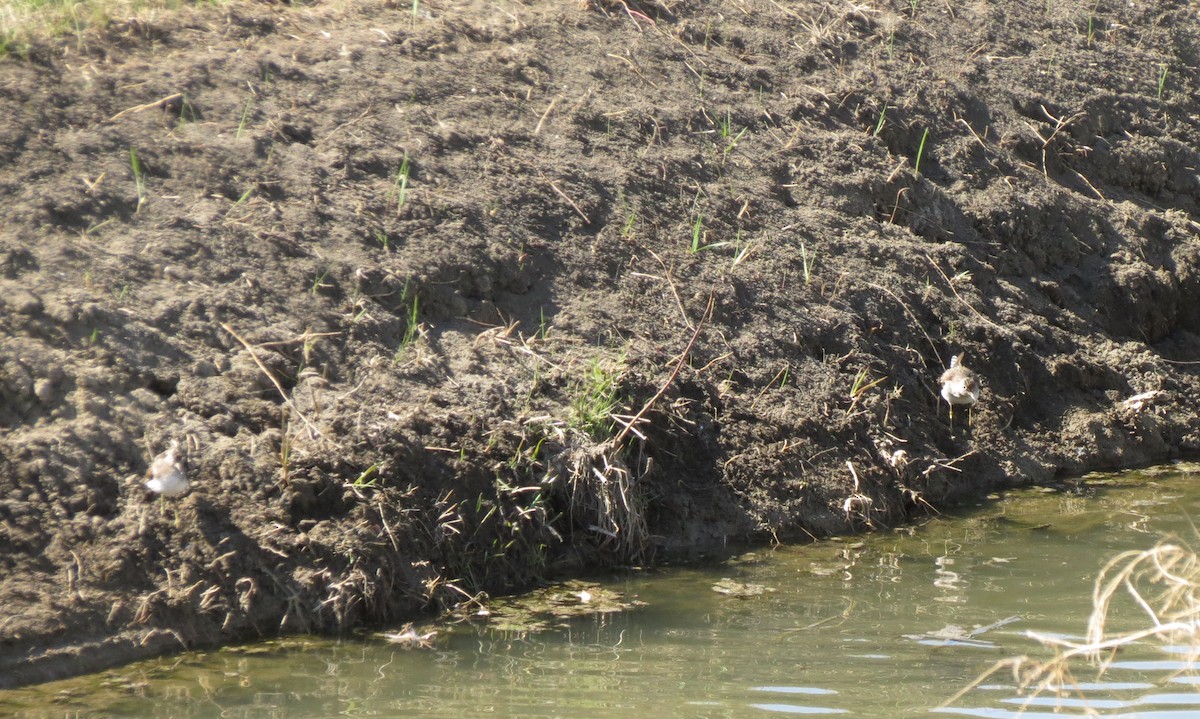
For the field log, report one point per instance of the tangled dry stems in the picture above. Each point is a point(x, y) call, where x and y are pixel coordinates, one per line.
point(602, 494)
point(1162, 584)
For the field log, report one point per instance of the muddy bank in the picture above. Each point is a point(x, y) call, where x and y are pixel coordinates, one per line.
point(443, 304)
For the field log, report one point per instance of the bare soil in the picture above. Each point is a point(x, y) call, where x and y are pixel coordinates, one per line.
point(446, 302)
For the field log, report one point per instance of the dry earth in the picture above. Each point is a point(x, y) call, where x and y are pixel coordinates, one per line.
point(444, 303)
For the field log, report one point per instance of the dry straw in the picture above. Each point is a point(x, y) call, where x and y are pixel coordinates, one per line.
point(1160, 586)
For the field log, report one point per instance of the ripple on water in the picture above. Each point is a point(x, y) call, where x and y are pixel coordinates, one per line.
point(1001, 713)
point(795, 709)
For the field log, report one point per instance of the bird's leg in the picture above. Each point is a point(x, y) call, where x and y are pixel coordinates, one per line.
point(951, 417)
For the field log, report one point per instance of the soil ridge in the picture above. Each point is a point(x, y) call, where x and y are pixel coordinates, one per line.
point(439, 300)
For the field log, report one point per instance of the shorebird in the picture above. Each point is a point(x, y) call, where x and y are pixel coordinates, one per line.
point(167, 478)
point(960, 386)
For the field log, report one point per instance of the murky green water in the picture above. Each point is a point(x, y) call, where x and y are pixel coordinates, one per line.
point(882, 626)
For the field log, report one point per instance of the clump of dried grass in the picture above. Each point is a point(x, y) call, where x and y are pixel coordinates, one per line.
point(1162, 584)
point(594, 472)
point(606, 496)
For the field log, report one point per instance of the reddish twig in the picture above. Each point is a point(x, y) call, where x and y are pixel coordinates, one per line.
point(671, 378)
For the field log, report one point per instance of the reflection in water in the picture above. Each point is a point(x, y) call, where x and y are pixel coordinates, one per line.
point(947, 580)
point(883, 626)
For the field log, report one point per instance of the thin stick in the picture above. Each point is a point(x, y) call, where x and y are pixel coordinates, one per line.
point(960, 299)
point(1085, 181)
point(579, 103)
point(986, 150)
point(671, 378)
point(568, 199)
point(633, 67)
point(916, 322)
point(784, 10)
point(770, 384)
point(348, 123)
point(537, 130)
point(299, 338)
point(671, 284)
point(287, 401)
point(147, 106)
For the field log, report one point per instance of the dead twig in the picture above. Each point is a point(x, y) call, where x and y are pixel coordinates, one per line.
point(541, 120)
point(633, 67)
point(157, 103)
point(770, 384)
point(287, 401)
point(784, 10)
point(958, 297)
point(1060, 123)
point(986, 150)
point(671, 284)
point(947, 464)
point(563, 195)
point(670, 378)
point(911, 316)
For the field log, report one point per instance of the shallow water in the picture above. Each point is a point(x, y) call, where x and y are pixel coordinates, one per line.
point(882, 626)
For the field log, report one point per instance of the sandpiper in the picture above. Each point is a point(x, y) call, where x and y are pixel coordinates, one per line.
point(167, 476)
point(960, 386)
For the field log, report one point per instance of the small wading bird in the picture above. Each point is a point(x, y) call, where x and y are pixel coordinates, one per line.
point(167, 478)
point(960, 386)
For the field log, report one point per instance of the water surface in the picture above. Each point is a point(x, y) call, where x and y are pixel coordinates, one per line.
point(883, 626)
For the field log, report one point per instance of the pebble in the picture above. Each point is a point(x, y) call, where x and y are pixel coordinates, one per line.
point(43, 389)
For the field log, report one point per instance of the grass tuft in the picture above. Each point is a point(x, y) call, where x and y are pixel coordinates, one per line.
point(741, 250)
point(319, 282)
point(921, 151)
point(412, 324)
point(594, 398)
point(698, 233)
point(139, 179)
point(399, 190)
point(245, 118)
point(882, 119)
point(630, 224)
point(809, 261)
point(862, 384)
point(725, 129)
